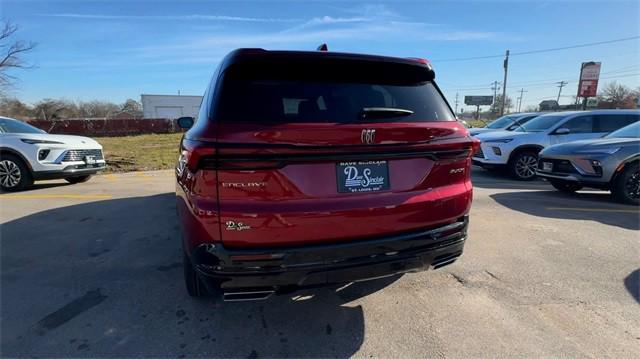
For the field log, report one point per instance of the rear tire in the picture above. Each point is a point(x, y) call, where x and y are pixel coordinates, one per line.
point(565, 186)
point(14, 174)
point(78, 179)
point(523, 165)
point(194, 285)
point(626, 186)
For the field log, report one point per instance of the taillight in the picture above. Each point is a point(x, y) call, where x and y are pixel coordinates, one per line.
point(193, 152)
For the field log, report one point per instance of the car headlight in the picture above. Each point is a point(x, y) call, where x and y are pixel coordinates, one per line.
point(33, 142)
point(503, 140)
point(607, 151)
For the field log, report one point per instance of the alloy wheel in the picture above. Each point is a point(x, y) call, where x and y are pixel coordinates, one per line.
point(633, 185)
point(526, 166)
point(10, 175)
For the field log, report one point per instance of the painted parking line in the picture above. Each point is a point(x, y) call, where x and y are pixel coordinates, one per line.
point(57, 196)
point(578, 209)
point(144, 176)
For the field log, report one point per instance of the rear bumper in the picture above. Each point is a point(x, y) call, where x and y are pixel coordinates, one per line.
point(286, 269)
point(69, 171)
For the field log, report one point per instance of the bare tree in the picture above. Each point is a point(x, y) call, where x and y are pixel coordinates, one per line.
point(51, 110)
point(11, 53)
point(620, 96)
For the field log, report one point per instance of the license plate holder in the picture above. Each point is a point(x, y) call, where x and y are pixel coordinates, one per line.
point(362, 176)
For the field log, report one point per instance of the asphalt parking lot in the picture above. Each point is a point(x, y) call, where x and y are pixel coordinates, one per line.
point(94, 270)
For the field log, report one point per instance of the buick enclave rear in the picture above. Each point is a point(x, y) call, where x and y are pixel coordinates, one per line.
point(311, 168)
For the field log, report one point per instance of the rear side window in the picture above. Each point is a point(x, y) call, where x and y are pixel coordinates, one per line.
point(332, 93)
point(612, 122)
point(580, 124)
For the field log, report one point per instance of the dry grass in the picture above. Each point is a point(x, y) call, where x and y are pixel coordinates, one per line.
point(141, 153)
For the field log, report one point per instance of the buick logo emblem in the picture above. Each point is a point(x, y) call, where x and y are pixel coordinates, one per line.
point(368, 136)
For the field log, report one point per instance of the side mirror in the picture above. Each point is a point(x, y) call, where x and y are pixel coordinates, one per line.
point(185, 122)
point(562, 131)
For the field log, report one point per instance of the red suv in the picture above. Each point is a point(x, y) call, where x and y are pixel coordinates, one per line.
point(310, 168)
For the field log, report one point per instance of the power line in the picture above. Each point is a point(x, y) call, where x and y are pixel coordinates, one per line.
point(540, 50)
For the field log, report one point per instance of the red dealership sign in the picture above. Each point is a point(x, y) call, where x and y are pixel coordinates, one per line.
point(589, 75)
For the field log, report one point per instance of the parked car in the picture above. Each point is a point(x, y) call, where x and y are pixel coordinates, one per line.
point(610, 163)
point(518, 149)
point(30, 154)
point(507, 123)
point(309, 168)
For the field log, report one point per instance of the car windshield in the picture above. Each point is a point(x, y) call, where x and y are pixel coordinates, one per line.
point(501, 122)
point(631, 131)
point(14, 126)
point(539, 124)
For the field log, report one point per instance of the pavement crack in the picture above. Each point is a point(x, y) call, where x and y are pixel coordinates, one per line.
point(493, 275)
point(459, 278)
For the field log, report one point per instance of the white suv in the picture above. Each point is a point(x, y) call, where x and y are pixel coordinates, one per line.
point(28, 153)
point(518, 149)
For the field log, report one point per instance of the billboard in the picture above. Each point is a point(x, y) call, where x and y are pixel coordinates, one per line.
point(478, 100)
point(589, 75)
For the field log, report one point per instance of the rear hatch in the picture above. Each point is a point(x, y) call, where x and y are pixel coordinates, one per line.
point(342, 149)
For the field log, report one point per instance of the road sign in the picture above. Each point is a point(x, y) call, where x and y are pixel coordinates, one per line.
point(589, 75)
point(478, 100)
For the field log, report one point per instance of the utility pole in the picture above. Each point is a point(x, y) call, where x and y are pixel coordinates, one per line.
point(495, 87)
point(561, 84)
point(522, 91)
point(504, 82)
point(455, 112)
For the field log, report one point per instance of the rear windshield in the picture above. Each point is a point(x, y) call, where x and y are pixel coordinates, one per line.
point(309, 97)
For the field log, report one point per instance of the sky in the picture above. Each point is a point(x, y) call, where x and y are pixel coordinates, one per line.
point(114, 50)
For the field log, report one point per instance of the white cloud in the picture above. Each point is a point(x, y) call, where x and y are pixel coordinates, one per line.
point(168, 17)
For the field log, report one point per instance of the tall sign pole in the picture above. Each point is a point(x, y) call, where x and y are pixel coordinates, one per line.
point(504, 83)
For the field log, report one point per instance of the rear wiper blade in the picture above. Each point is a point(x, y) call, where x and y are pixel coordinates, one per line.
point(383, 112)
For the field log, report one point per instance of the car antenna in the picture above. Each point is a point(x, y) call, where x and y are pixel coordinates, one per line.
point(323, 47)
